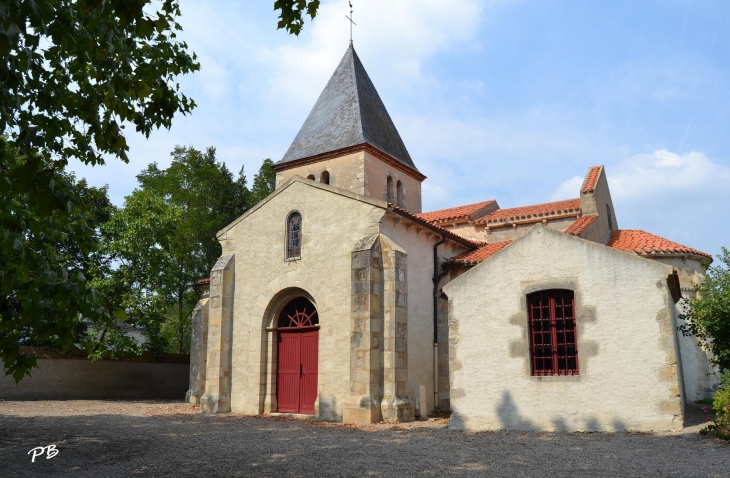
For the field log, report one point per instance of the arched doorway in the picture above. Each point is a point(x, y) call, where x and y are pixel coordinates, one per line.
point(298, 353)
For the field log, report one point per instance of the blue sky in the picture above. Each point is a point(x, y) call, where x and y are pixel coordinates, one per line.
point(497, 99)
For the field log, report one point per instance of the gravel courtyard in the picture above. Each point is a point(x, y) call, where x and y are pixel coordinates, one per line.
point(108, 438)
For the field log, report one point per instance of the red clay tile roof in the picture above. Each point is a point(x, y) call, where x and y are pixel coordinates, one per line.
point(580, 225)
point(438, 229)
point(453, 212)
point(537, 211)
point(592, 179)
point(478, 255)
point(646, 244)
point(203, 281)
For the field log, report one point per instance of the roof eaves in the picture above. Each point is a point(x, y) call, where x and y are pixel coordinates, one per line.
point(437, 229)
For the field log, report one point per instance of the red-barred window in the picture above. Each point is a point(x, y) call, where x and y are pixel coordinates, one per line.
point(553, 338)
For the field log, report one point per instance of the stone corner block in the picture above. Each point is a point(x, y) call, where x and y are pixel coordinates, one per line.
point(397, 409)
point(361, 410)
point(214, 403)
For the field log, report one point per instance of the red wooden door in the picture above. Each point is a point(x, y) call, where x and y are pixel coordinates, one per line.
point(287, 380)
point(308, 382)
point(297, 371)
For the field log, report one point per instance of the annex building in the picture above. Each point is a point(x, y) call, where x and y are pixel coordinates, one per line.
point(338, 297)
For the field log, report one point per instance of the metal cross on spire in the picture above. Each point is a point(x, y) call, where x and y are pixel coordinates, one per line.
point(351, 22)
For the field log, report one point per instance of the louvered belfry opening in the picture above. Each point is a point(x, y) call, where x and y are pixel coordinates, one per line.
point(553, 338)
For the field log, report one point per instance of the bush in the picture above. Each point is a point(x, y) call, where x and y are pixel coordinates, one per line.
point(721, 403)
point(719, 427)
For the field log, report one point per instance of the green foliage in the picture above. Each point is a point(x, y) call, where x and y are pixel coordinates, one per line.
point(74, 72)
point(264, 182)
point(109, 341)
point(293, 12)
point(48, 228)
point(163, 240)
point(721, 402)
point(708, 314)
point(719, 426)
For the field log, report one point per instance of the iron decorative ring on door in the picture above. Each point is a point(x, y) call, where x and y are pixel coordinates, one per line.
point(298, 344)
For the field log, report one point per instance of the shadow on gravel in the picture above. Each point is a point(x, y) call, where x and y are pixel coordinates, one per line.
point(197, 445)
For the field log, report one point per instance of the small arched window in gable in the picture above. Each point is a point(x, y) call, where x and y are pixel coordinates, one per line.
point(294, 235)
point(389, 190)
point(399, 194)
point(324, 178)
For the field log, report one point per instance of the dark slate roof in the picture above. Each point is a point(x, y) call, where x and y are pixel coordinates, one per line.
point(348, 112)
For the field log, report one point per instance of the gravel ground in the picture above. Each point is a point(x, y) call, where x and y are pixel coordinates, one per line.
point(109, 438)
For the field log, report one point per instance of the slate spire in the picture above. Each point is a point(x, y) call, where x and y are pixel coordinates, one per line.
point(349, 112)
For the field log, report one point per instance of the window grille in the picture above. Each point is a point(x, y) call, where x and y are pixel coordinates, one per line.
point(294, 235)
point(553, 342)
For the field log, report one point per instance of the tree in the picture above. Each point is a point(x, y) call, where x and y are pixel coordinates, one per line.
point(292, 13)
point(74, 75)
point(708, 313)
point(46, 251)
point(163, 240)
point(264, 182)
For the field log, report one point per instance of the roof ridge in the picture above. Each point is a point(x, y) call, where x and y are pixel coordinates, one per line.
point(456, 207)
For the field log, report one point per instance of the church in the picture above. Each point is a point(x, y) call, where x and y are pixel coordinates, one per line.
point(337, 297)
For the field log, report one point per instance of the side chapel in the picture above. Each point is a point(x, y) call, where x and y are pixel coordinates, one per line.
point(337, 297)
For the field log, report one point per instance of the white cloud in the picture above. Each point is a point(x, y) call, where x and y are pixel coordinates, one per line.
point(569, 189)
point(664, 173)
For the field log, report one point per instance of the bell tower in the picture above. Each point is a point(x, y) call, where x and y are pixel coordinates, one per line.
point(350, 142)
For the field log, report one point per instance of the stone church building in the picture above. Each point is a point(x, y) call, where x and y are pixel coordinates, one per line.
point(338, 297)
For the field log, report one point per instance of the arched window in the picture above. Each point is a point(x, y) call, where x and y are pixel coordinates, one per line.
point(298, 313)
point(311, 176)
point(399, 194)
point(294, 235)
point(389, 190)
point(553, 338)
point(324, 178)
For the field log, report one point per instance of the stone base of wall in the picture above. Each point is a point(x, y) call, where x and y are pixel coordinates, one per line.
point(81, 379)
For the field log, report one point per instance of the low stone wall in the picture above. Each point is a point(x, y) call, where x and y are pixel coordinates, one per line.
point(82, 379)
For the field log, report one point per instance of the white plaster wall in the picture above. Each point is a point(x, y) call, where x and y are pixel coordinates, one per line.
point(418, 244)
point(628, 375)
point(332, 222)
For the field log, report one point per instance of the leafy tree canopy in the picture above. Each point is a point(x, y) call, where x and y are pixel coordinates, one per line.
point(163, 240)
point(708, 313)
point(73, 75)
point(292, 13)
point(48, 239)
